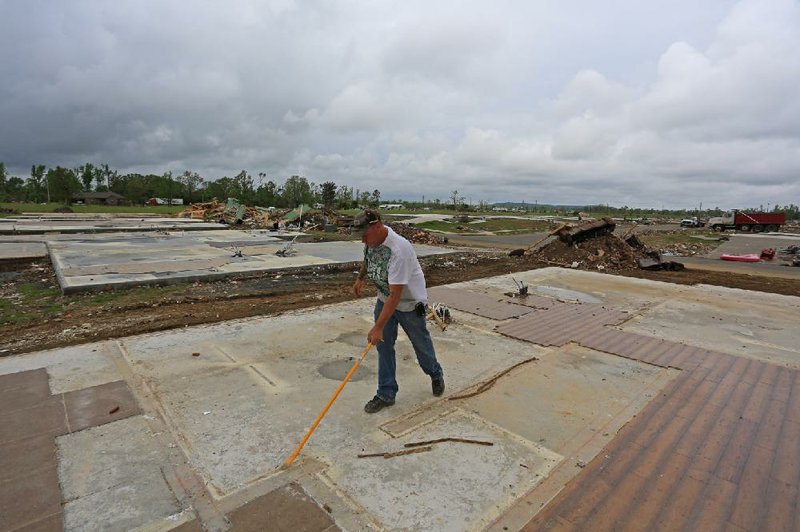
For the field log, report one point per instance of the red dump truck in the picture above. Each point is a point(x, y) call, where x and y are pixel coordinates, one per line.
point(748, 221)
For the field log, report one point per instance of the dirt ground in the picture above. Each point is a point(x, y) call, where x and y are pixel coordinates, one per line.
point(34, 315)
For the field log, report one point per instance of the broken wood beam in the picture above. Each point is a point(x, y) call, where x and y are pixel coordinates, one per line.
point(392, 454)
point(441, 440)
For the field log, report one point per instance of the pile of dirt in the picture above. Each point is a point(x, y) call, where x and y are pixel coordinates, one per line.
point(63, 210)
point(416, 235)
point(604, 252)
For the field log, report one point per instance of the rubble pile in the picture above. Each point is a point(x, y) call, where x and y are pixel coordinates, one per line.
point(790, 255)
point(416, 235)
point(234, 213)
point(230, 212)
point(603, 252)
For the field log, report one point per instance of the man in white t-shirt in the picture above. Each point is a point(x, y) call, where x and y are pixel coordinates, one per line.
point(391, 263)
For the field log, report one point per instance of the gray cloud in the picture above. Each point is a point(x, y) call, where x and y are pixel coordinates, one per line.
point(668, 103)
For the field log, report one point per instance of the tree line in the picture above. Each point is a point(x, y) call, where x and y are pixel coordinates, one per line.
point(62, 185)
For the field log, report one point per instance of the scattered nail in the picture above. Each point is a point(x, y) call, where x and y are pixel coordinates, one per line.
point(114, 410)
point(195, 354)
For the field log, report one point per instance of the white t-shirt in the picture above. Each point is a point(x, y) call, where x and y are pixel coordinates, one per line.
point(395, 262)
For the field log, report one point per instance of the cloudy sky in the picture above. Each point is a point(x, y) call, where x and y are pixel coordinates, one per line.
point(657, 103)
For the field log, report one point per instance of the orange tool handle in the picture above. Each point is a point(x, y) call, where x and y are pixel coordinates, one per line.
point(327, 407)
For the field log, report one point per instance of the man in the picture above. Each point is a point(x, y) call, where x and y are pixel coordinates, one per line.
point(391, 263)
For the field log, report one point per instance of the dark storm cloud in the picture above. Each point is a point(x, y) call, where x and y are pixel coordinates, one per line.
point(576, 102)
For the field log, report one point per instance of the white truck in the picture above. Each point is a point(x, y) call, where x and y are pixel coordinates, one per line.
point(691, 222)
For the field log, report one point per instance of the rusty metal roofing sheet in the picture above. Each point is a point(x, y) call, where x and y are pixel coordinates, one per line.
point(561, 324)
point(717, 449)
point(474, 303)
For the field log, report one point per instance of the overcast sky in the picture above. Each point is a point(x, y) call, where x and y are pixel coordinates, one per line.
point(627, 102)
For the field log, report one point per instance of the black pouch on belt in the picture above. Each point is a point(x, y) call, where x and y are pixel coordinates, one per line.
point(419, 308)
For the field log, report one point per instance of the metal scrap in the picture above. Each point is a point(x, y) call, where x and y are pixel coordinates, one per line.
point(288, 249)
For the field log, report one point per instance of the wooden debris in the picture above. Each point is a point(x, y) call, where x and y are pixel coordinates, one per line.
point(457, 440)
point(397, 453)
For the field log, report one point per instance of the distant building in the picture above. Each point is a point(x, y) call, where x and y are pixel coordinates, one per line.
point(100, 198)
point(388, 206)
point(161, 201)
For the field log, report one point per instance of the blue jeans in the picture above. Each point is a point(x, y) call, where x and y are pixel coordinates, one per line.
point(417, 331)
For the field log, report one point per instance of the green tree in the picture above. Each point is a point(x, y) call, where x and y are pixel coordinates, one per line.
point(268, 194)
point(456, 199)
point(221, 189)
point(37, 184)
point(3, 182)
point(135, 188)
point(191, 182)
point(243, 187)
point(376, 197)
point(14, 188)
point(328, 193)
point(104, 177)
point(344, 197)
point(63, 183)
point(88, 173)
point(169, 187)
point(297, 190)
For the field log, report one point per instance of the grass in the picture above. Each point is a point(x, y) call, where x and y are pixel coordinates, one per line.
point(9, 313)
point(94, 209)
point(493, 225)
point(36, 301)
point(31, 292)
point(32, 301)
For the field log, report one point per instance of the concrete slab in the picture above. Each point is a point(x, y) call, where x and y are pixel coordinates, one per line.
point(233, 414)
point(111, 478)
point(21, 225)
point(22, 251)
point(98, 262)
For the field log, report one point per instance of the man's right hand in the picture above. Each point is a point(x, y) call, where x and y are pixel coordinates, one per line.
point(357, 286)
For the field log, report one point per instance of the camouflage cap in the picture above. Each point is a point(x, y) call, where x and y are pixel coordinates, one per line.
point(364, 220)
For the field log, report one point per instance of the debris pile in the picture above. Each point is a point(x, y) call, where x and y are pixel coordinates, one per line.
point(593, 246)
point(234, 213)
point(416, 235)
point(230, 212)
point(603, 252)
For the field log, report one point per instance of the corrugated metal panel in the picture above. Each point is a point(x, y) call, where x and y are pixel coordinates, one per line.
point(479, 304)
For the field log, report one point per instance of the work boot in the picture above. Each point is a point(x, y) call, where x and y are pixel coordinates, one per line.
point(437, 384)
point(376, 404)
